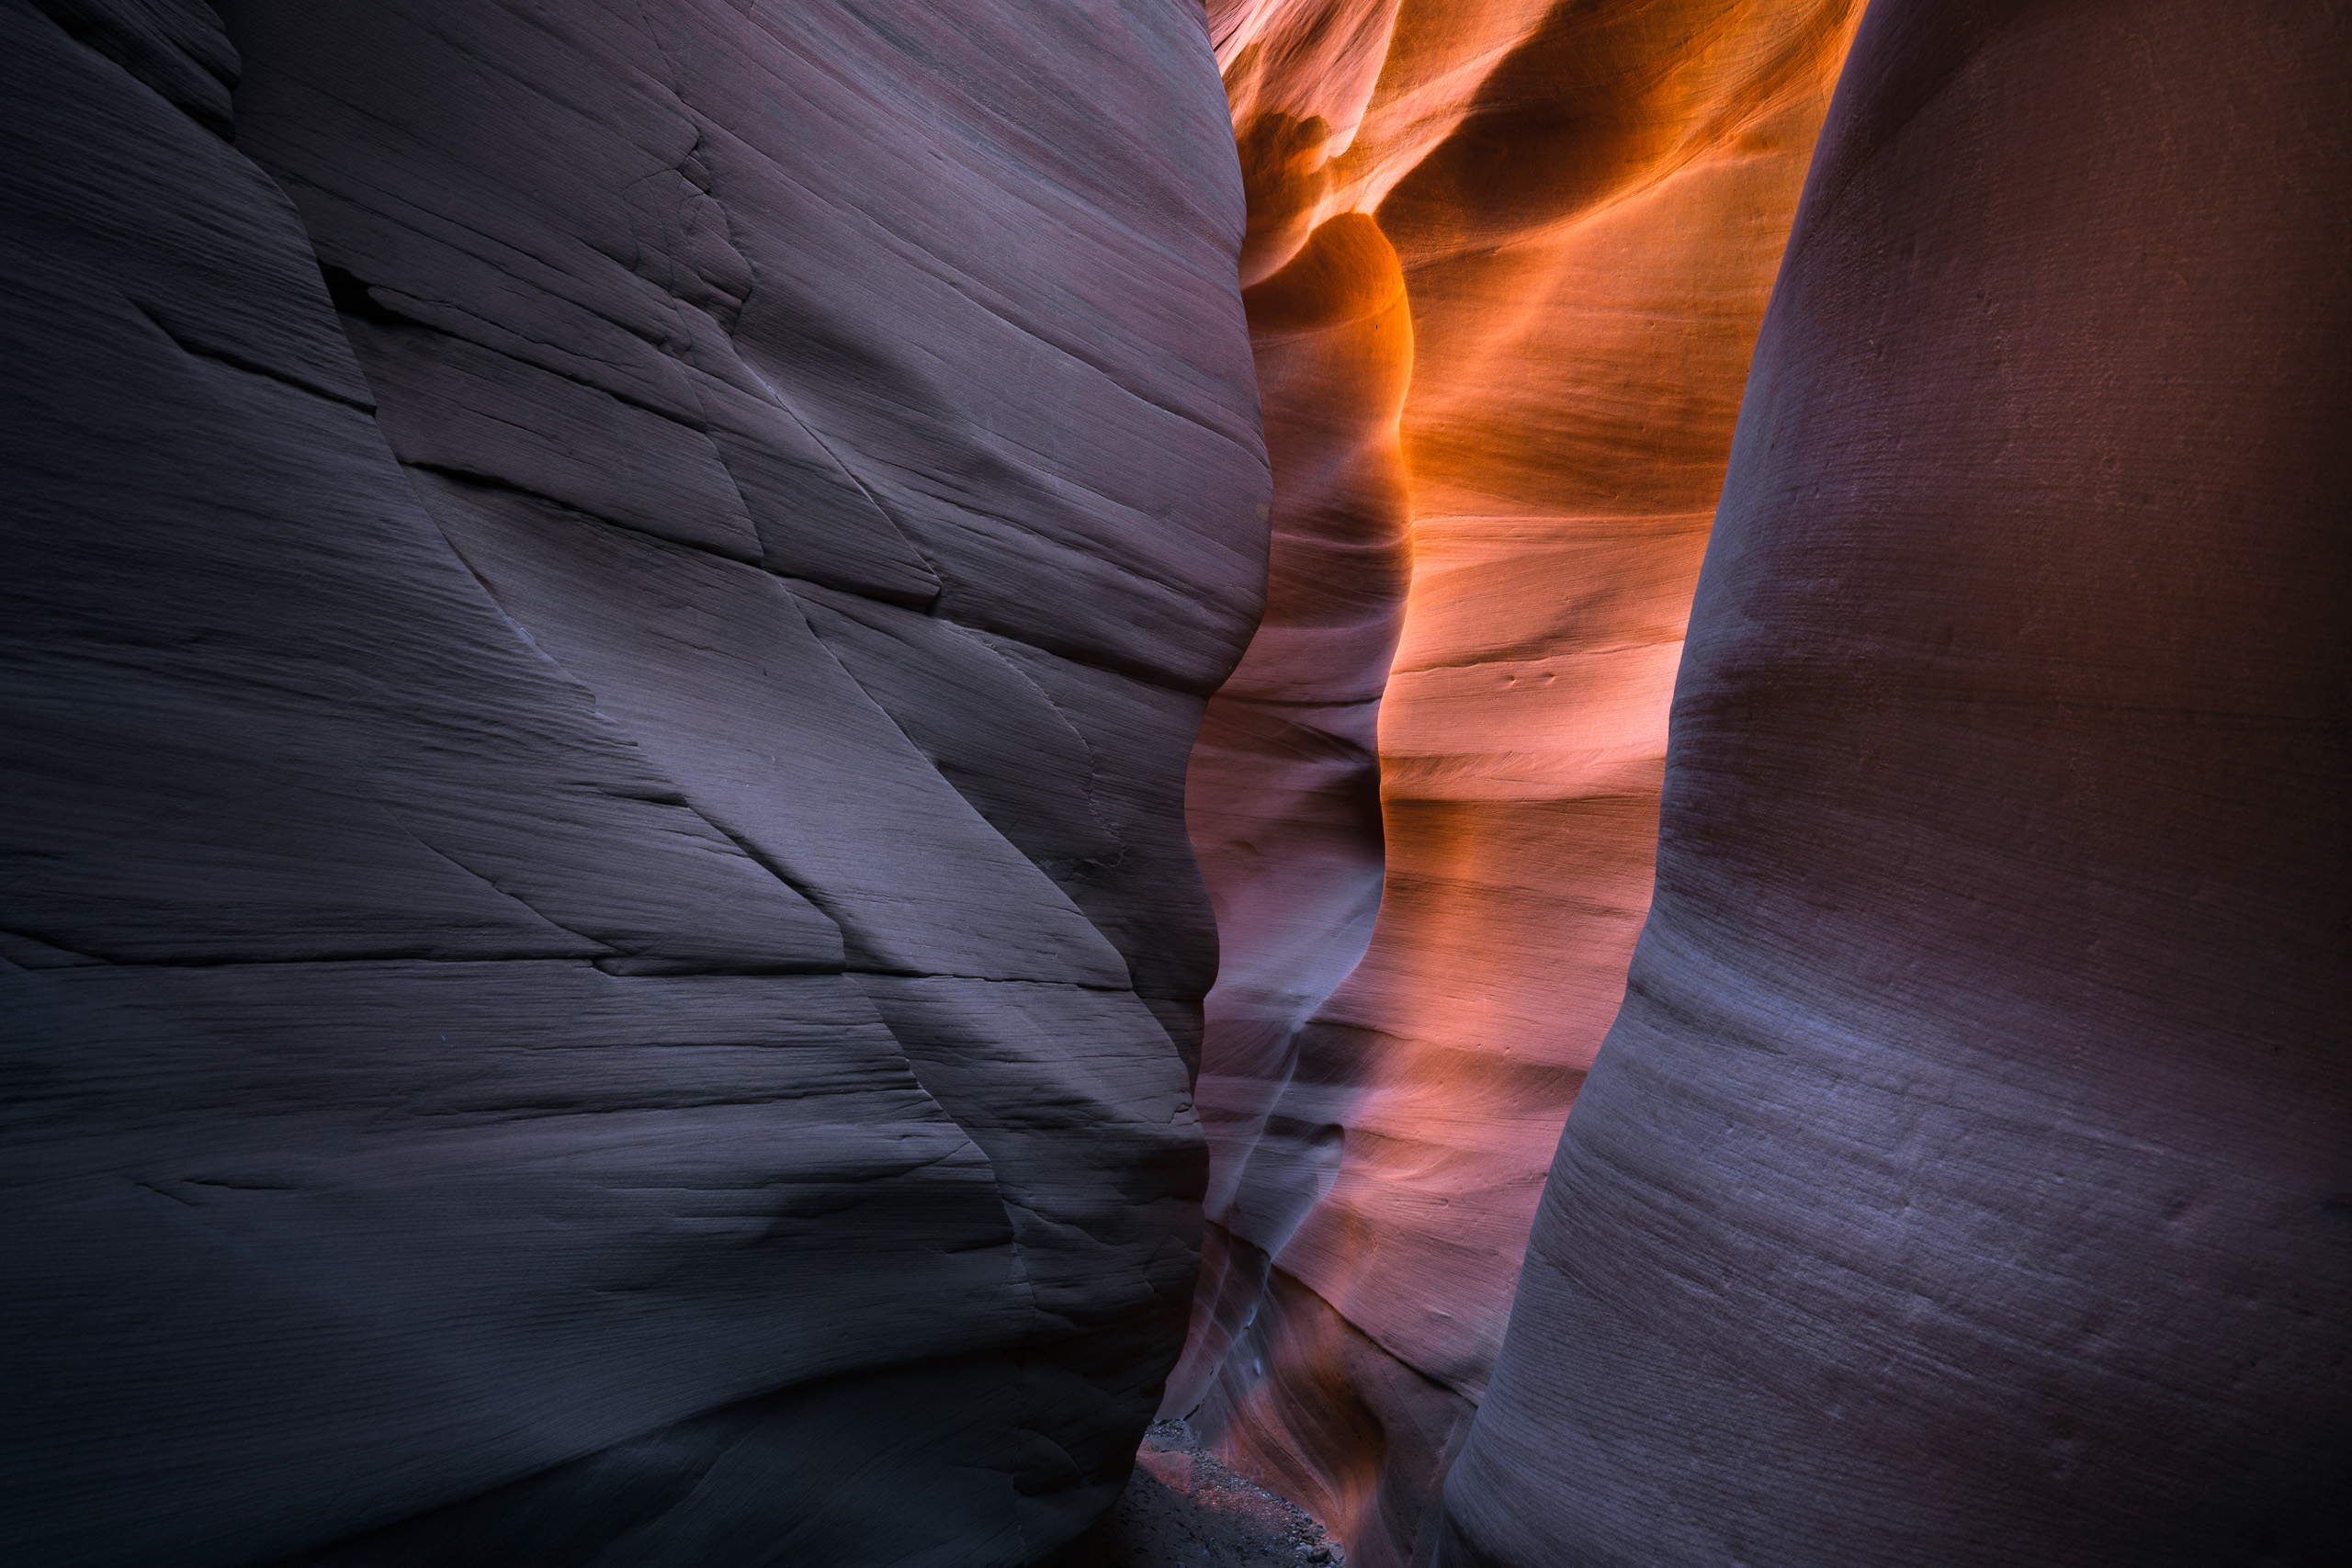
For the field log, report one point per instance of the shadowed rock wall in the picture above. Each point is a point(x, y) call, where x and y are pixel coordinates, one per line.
point(1964, 1182)
point(1505, 263)
point(600, 952)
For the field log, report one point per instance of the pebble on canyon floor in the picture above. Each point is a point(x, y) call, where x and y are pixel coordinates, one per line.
point(1186, 1507)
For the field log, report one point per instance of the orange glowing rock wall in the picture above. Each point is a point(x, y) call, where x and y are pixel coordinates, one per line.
point(1505, 266)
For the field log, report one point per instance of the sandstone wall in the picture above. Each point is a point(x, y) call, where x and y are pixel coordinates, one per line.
point(600, 949)
point(1964, 1182)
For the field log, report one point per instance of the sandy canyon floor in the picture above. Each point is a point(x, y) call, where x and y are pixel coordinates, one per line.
point(1185, 1506)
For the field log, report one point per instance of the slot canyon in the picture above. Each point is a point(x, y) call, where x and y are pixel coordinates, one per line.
point(1088, 784)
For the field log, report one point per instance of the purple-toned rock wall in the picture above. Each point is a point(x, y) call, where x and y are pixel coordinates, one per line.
point(1964, 1181)
point(604, 615)
point(604, 609)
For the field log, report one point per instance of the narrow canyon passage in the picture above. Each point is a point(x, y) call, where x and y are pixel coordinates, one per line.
point(1504, 267)
point(1096, 784)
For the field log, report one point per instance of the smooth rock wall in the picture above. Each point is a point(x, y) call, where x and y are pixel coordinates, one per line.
point(1506, 261)
point(600, 949)
point(1964, 1182)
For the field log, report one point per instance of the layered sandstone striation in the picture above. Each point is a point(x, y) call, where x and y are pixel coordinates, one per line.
point(1505, 264)
point(1964, 1179)
point(607, 613)
point(601, 953)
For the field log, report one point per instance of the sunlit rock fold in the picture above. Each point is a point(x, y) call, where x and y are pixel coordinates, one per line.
point(1505, 263)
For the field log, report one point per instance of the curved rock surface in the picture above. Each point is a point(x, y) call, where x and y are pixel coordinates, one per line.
point(607, 609)
point(1964, 1182)
point(600, 949)
point(1505, 262)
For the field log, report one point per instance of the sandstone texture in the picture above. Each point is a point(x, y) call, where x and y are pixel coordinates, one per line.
point(1505, 263)
point(652, 653)
point(1964, 1182)
point(605, 615)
